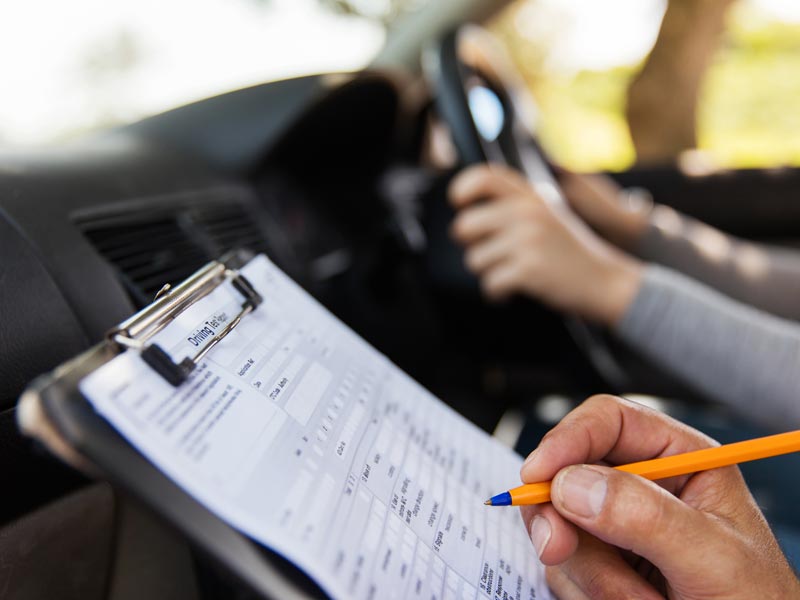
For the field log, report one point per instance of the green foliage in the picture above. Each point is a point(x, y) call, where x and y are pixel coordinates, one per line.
point(583, 122)
point(750, 105)
point(749, 108)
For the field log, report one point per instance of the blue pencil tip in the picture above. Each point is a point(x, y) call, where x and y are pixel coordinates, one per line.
point(503, 499)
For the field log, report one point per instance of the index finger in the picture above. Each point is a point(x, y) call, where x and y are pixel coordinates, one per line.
point(613, 430)
point(483, 181)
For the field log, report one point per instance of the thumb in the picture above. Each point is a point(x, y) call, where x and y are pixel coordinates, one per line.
point(632, 513)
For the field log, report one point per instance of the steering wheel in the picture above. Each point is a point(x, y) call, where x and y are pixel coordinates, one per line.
point(484, 102)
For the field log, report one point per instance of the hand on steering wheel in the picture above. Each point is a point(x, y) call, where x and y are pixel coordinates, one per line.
point(516, 242)
point(487, 111)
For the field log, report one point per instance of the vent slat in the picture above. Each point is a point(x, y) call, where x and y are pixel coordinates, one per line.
point(158, 265)
point(135, 252)
point(146, 247)
point(108, 237)
point(236, 230)
point(150, 249)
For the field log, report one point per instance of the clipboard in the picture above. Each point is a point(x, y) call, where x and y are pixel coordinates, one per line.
point(53, 411)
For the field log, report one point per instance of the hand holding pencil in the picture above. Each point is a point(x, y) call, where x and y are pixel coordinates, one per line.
point(611, 534)
point(670, 466)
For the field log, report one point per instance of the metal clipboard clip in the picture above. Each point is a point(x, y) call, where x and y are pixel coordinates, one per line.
point(135, 332)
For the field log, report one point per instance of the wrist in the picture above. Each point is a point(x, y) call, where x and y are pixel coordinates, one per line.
point(620, 278)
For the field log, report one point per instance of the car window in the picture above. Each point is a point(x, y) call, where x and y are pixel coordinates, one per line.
point(90, 63)
point(581, 57)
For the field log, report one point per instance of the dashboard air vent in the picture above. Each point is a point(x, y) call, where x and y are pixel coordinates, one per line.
point(150, 246)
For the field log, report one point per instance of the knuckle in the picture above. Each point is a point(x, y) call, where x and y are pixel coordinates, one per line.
point(454, 191)
point(498, 286)
point(518, 270)
point(655, 518)
point(482, 176)
point(488, 168)
point(463, 225)
point(456, 229)
point(600, 583)
point(527, 234)
point(475, 171)
point(571, 428)
point(491, 287)
point(529, 265)
point(500, 171)
point(634, 510)
point(526, 210)
point(601, 401)
point(472, 259)
point(553, 435)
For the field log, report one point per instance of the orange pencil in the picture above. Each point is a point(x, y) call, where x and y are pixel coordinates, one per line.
point(670, 466)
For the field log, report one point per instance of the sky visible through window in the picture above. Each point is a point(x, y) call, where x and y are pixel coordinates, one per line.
point(72, 67)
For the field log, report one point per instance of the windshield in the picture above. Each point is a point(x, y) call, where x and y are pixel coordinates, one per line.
point(93, 63)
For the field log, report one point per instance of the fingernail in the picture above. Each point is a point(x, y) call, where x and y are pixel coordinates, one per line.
point(582, 490)
point(540, 534)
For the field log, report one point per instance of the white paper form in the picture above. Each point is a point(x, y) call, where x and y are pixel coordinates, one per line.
point(301, 435)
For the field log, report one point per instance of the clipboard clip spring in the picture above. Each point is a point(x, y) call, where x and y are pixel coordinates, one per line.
point(171, 302)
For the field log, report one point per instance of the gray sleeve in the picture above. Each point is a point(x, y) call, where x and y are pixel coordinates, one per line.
point(764, 277)
point(730, 352)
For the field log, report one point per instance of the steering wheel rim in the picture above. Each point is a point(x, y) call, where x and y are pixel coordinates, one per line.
point(468, 54)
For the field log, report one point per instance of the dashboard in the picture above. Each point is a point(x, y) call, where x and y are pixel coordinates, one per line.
point(93, 229)
point(327, 174)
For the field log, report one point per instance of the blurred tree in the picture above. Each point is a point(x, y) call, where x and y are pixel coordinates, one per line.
point(662, 98)
point(745, 116)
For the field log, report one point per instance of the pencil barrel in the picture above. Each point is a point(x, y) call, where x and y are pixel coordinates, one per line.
point(537, 493)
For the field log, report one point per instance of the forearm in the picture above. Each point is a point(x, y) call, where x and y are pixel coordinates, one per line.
point(766, 278)
point(733, 353)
